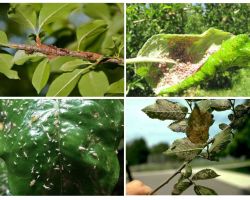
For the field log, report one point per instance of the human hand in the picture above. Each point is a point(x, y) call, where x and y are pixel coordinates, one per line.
point(137, 187)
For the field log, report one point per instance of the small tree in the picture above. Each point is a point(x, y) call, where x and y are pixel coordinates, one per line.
point(197, 144)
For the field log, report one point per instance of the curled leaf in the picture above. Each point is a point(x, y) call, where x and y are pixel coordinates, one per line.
point(164, 109)
point(184, 149)
point(220, 104)
point(201, 190)
point(205, 174)
point(179, 126)
point(198, 126)
point(181, 187)
point(221, 140)
point(188, 171)
point(222, 126)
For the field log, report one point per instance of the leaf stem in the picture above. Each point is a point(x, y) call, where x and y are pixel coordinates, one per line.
point(171, 177)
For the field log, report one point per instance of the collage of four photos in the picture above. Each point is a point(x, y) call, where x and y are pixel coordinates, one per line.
point(117, 99)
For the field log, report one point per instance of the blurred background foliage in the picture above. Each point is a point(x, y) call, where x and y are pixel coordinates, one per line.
point(62, 32)
point(146, 20)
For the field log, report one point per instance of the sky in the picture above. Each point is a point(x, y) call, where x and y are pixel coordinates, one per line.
point(139, 125)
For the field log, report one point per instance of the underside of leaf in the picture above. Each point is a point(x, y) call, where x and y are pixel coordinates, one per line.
point(184, 149)
point(197, 57)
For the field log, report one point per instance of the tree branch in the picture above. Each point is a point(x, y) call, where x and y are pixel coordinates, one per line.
point(171, 177)
point(53, 51)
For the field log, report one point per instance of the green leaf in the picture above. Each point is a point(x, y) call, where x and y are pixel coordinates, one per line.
point(190, 52)
point(201, 190)
point(6, 62)
point(64, 146)
point(179, 126)
point(3, 38)
point(64, 84)
point(24, 15)
point(204, 174)
point(57, 62)
point(41, 75)
point(184, 149)
point(21, 57)
point(71, 65)
point(116, 87)
point(89, 32)
point(221, 140)
point(93, 83)
point(50, 12)
point(181, 187)
point(188, 171)
point(91, 9)
point(198, 126)
point(164, 109)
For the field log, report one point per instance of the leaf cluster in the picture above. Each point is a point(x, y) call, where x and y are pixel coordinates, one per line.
point(196, 126)
point(76, 27)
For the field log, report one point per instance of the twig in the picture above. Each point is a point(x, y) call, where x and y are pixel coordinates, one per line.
point(189, 104)
point(232, 103)
point(53, 51)
point(171, 177)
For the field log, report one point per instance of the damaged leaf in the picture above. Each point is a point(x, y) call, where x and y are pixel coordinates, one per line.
point(179, 126)
point(221, 140)
point(201, 190)
point(184, 149)
point(181, 187)
point(198, 126)
point(204, 174)
point(164, 109)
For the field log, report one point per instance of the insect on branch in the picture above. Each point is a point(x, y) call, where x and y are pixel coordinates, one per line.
point(53, 51)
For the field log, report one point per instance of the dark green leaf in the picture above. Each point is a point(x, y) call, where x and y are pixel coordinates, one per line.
point(181, 187)
point(164, 109)
point(93, 83)
point(41, 75)
point(64, 84)
point(61, 146)
point(6, 62)
point(198, 126)
point(179, 126)
point(184, 149)
point(201, 190)
point(3, 38)
point(116, 87)
point(24, 15)
point(205, 174)
point(221, 140)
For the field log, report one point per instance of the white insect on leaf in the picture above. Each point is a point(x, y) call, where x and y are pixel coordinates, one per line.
point(46, 187)
point(32, 183)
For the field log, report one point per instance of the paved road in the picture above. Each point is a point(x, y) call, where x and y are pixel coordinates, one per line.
point(222, 186)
